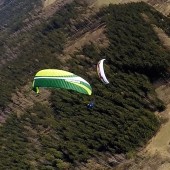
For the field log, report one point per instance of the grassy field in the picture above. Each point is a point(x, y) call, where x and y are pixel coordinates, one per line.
point(160, 143)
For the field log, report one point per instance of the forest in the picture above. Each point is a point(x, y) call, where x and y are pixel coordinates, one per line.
point(19, 8)
point(63, 133)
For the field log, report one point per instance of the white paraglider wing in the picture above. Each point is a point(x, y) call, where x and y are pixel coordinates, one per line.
point(100, 71)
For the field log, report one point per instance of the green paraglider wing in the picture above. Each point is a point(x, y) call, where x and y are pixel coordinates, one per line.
point(54, 78)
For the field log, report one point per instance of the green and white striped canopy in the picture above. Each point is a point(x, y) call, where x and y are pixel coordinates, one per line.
point(60, 79)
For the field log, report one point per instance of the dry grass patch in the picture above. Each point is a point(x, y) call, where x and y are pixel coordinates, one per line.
point(25, 98)
point(164, 38)
point(96, 36)
point(162, 6)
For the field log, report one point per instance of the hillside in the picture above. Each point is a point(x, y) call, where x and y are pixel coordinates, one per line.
point(33, 14)
point(162, 6)
point(55, 130)
point(28, 15)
